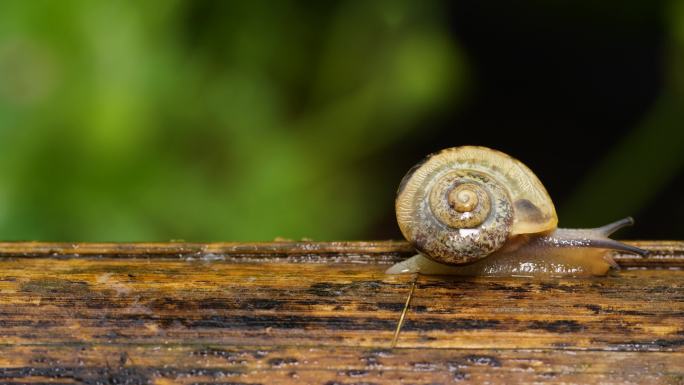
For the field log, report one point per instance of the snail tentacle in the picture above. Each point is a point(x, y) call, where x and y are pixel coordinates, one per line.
point(594, 238)
point(615, 226)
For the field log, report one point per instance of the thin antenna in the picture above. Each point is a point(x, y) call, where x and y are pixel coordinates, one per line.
point(615, 226)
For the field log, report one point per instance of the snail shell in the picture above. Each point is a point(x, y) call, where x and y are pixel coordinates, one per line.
point(464, 203)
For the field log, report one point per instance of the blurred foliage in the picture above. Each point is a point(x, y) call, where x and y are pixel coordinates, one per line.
point(154, 120)
point(231, 120)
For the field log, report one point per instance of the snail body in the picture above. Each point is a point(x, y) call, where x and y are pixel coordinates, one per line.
point(477, 211)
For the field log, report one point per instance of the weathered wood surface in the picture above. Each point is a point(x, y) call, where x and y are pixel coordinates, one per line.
point(325, 313)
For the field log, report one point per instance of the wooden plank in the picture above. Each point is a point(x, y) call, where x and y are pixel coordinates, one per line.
point(663, 254)
point(638, 310)
point(187, 364)
point(45, 300)
point(325, 313)
point(142, 301)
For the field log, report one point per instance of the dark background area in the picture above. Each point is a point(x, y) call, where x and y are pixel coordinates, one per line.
point(227, 120)
point(559, 86)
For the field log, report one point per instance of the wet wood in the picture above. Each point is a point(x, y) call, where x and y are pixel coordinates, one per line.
point(662, 253)
point(325, 313)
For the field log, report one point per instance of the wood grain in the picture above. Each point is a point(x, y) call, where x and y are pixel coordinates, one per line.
point(187, 364)
point(664, 254)
point(325, 313)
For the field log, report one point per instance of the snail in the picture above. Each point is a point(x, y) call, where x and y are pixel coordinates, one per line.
point(476, 211)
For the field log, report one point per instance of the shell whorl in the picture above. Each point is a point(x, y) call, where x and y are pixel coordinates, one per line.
point(462, 204)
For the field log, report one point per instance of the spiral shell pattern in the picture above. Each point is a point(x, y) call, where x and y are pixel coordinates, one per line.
point(462, 216)
point(464, 203)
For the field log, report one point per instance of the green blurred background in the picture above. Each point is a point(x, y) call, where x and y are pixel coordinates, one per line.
point(250, 120)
